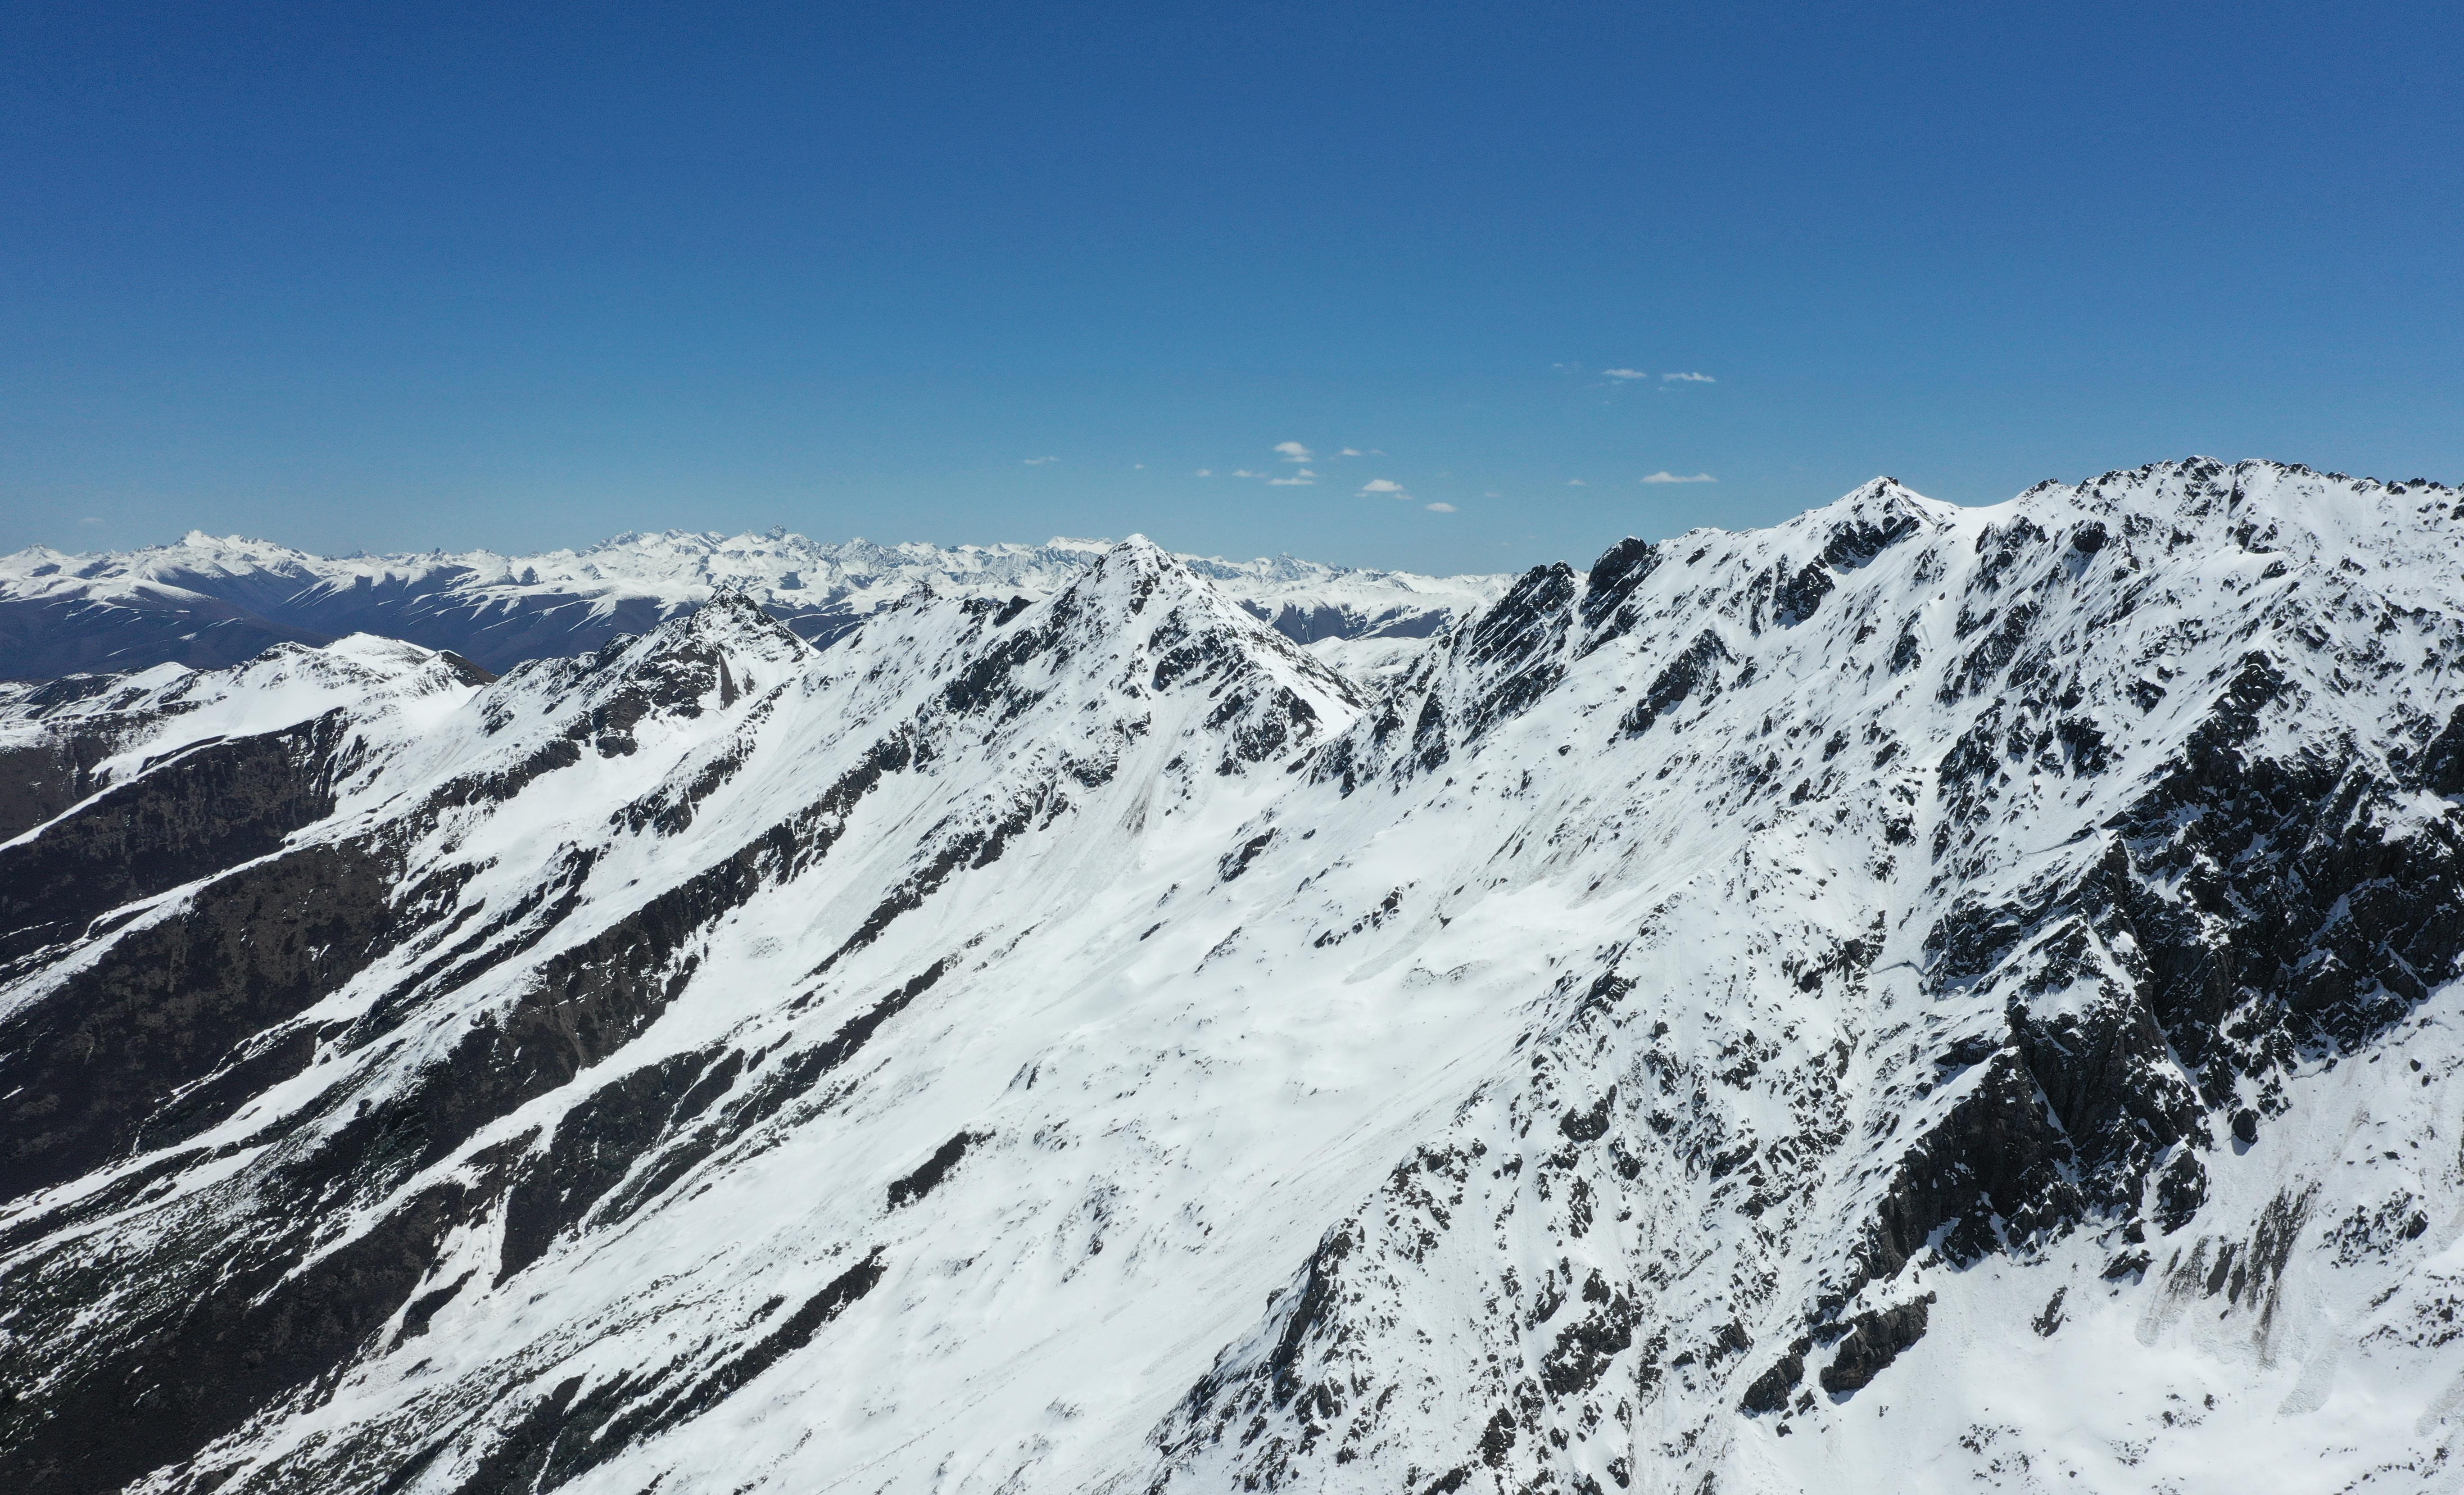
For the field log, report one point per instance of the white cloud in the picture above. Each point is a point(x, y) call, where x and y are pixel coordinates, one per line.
point(1206, 471)
point(90, 519)
point(1293, 451)
point(1243, 472)
point(1492, 494)
point(1441, 508)
point(1666, 476)
point(1576, 482)
point(1381, 485)
point(1040, 461)
point(1351, 451)
point(1300, 480)
point(1691, 379)
point(1139, 466)
point(1625, 373)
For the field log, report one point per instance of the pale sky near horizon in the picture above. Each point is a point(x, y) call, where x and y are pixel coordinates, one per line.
point(1455, 287)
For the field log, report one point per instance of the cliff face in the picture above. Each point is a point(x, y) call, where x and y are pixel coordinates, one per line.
point(1910, 996)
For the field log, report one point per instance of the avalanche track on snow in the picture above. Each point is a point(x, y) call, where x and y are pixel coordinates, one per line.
point(1917, 998)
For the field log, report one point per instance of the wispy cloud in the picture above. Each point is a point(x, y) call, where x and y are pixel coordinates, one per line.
point(1383, 485)
point(1351, 451)
point(91, 519)
point(1441, 508)
point(1625, 373)
point(1576, 482)
point(1300, 480)
point(1689, 378)
point(1666, 476)
point(1293, 451)
point(1040, 461)
point(1243, 472)
point(1206, 471)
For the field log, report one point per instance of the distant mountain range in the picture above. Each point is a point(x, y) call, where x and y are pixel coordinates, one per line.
point(209, 603)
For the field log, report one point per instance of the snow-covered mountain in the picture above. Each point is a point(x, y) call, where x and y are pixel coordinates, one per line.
point(208, 602)
point(1915, 998)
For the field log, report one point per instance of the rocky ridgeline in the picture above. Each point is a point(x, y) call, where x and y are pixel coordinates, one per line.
point(1912, 997)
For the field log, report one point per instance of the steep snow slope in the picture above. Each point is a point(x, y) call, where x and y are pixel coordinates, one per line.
point(1984, 904)
point(206, 601)
point(1913, 998)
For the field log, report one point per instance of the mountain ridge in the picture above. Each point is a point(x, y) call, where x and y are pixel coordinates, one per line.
point(1912, 997)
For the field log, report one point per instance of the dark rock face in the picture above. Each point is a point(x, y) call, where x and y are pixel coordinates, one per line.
point(930, 1173)
point(1608, 590)
point(596, 1143)
point(2251, 911)
point(1874, 1341)
point(1795, 599)
point(259, 1319)
point(42, 778)
point(83, 1073)
point(210, 807)
point(1858, 540)
point(564, 1438)
point(1770, 1392)
point(1515, 646)
point(1692, 675)
point(1996, 1159)
point(2441, 768)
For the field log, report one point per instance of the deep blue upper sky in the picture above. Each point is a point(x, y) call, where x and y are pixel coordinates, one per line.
point(397, 277)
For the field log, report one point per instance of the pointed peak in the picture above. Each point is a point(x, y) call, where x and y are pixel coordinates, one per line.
point(1867, 519)
point(1139, 578)
point(732, 599)
point(1135, 556)
point(1883, 492)
point(1884, 498)
point(731, 623)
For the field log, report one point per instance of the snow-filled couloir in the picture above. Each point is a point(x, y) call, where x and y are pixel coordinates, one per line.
point(1916, 997)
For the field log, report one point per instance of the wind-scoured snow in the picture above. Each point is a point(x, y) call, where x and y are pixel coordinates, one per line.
point(1917, 998)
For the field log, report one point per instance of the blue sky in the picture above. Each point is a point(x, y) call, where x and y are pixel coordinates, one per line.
point(450, 276)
